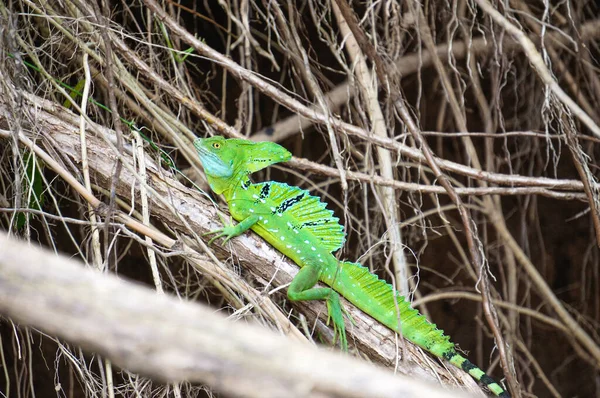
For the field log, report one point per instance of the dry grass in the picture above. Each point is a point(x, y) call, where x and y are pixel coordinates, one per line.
point(455, 140)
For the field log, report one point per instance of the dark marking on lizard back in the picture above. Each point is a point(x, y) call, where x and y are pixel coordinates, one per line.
point(264, 192)
point(289, 203)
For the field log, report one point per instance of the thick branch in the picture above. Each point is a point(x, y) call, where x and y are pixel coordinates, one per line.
point(171, 341)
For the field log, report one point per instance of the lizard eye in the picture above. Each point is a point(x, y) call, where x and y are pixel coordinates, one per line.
point(216, 145)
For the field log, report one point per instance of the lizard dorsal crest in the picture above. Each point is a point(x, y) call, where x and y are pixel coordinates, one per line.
point(308, 213)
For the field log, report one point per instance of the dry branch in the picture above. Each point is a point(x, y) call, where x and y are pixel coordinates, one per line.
point(172, 341)
point(413, 63)
point(540, 66)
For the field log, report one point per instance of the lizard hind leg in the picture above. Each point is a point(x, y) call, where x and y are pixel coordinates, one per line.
point(302, 289)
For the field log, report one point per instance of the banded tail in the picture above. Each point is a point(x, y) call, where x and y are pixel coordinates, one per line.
point(376, 298)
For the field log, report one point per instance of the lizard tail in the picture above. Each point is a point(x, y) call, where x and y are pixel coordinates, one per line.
point(379, 299)
point(458, 360)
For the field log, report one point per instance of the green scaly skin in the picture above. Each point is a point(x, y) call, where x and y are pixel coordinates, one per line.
point(299, 225)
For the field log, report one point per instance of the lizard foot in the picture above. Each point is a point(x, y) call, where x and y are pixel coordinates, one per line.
point(335, 313)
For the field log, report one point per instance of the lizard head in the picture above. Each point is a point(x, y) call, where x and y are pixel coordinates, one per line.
point(226, 161)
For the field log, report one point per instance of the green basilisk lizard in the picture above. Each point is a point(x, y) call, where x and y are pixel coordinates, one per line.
point(301, 227)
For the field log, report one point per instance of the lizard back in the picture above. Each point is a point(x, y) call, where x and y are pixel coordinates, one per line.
point(288, 214)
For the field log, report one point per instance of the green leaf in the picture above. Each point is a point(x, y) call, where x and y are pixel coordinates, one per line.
point(33, 188)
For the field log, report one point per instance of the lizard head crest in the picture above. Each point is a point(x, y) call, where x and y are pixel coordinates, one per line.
point(226, 161)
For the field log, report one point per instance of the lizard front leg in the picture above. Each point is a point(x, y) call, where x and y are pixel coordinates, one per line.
point(231, 231)
point(301, 289)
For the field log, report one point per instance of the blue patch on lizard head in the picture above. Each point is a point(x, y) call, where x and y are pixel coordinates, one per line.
point(212, 153)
